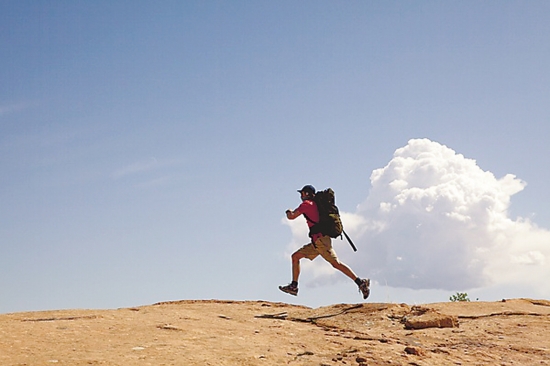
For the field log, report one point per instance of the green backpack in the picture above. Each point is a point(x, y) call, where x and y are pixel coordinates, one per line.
point(329, 217)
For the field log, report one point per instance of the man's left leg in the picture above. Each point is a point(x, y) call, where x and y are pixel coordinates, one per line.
point(364, 284)
point(330, 256)
point(342, 267)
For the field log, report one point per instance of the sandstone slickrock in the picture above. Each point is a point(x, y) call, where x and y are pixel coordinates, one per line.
point(251, 333)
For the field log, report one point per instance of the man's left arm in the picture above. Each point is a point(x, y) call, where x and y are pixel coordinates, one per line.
point(291, 215)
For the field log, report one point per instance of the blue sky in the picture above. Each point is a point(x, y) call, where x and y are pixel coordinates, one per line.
point(148, 150)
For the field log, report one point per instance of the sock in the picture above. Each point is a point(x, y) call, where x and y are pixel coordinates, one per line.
point(294, 283)
point(358, 281)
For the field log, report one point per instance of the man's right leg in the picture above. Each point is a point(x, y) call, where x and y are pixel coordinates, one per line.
point(307, 251)
point(296, 257)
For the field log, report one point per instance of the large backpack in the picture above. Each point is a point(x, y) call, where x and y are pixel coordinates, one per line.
point(329, 217)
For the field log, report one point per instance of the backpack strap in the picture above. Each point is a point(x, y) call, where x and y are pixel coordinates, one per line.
point(349, 240)
point(343, 232)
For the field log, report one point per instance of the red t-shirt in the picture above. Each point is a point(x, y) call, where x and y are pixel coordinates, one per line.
point(309, 208)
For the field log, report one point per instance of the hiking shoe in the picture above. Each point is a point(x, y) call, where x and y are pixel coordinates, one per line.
point(364, 288)
point(289, 289)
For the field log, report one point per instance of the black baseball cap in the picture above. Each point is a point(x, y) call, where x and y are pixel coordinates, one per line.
point(307, 189)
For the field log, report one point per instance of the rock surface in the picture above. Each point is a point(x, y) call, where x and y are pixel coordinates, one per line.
point(214, 332)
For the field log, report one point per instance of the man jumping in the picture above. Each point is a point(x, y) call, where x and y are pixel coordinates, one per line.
point(320, 245)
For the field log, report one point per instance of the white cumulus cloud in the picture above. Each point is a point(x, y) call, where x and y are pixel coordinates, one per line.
point(435, 220)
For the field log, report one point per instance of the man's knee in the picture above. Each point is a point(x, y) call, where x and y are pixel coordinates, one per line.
point(296, 256)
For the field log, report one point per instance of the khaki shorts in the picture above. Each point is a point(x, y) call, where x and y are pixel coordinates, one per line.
point(322, 247)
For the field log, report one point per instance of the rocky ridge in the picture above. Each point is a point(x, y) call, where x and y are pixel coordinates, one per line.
point(217, 332)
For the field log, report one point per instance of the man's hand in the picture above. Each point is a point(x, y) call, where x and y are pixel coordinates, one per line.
point(291, 215)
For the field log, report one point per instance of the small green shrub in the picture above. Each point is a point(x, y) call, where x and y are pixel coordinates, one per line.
point(459, 296)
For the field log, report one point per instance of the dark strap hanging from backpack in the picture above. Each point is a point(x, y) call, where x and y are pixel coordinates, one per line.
point(343, 232)
point(349, 240)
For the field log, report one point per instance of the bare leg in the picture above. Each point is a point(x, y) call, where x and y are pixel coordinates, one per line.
point(296, 265)
point(362, 283)
point(344, 269)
